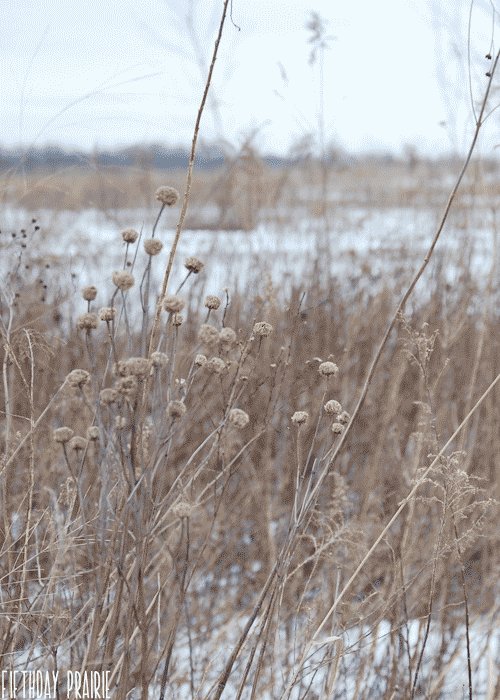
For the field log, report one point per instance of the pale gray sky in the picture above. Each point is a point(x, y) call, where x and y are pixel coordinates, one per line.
point(393, 72)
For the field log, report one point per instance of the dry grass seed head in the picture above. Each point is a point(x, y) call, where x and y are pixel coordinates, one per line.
point(62, 434)
point(167, 195)
point(212, 302)
point(262, 329)
point(107, 314)
point(176, 409)
point(173, 304)
point(208, 335)
point(153, 246)
point(328, 368)
point(108, 396)
point(300, 417)
point(228, 336)
point(130, 235)
point(78, 378)
point(215, 365)
point(139, 367)
point(332, 407)
point(77, 443)
point(123, 280)
point(194, 264)
point(89, 293)
point(159, 359)
point(87, 322)
point(238, 417)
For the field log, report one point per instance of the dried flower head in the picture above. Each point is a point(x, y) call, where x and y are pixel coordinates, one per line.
point(108, 396)
point(263, 329)
point(89, 293)
point(212, 302)
point(93, 433)
point(177, 319)
point(107, 314)
point(208, 335)
point(337, 428)
point(200, 360)
point(120, 369)
point(183, 509)
point(194, 264)
point(300, 417)
point(159, 359)
point(120, 422)
point(127, 386)
point(123, 280)
point(139, 367)
point(152, 246)
point(130, 235)
point(228, 336)
point(344, 418)
point(332, 407)
point(167, 195)
point(77, 378)
point(216, 365)
point(77, 443)
point(173, 304)
point(87, 322)
point(328, 368)
point(62, 434)
point(238, 417)
point(176, 409)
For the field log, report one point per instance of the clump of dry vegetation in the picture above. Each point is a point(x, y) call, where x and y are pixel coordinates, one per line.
point(247, 494)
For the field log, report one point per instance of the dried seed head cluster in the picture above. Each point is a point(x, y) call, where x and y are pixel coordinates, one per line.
point(200, 360)
point(238, 417)
point(159, 359)
point(328, 368)
point(194, 264)
point(62, 434)
point(153, 246)
point(228, 336)
point(89, 293)
point(123, 280)
point(78, 378)
point(108, 396)
point(300, 417)
point(176, 409)
point(120, 422)
point(344, 418)
point(127, 386)
point(333, 407)
point(77, 443)
point(177, 319)
point(216, 365)
point(93, 433)
point(130, 235)
point(212, 302)
point(107, 314)
point(208, 335)
point(183, 509)
point(262, 329)
point(87, 322)
point(167, 195)
point(139, 367)
point(173, 304)
point(337, 428)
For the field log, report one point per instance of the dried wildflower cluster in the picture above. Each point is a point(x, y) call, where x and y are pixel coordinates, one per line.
point(334, 408)
point(159, 359)
point(123, 280)
point(130, 235)
point(176, 410)
point(153, 246)
point(87, 322)
point(107, 314)
point(300, 417)
point(208, 335)
point(167, 195)
point(327, 369)
point(238, 417)
point(78, 378)
point(183, 509)
point(212, 302)
point(262, 329)
point(215, 365)
point(194, 265)
point(89, 293)
point(173, 304)
point(62, 435)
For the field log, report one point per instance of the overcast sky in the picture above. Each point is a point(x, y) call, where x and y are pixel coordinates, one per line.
point(395, 72)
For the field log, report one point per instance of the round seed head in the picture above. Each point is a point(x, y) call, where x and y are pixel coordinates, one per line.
point(173, 304)
point(332, 407)
point(344, 418)
point(123, 280)
point(77, 443)
point(216, 365)
point(177, 319)
point(300, 417)
point(238, 417)
point(120, 369)
point(183, 509)
point(107, 314)
point(194, 264)
point(62, 434)
point(130, 235)
point(208, 335)
point(108, 396)
point(89, 293)
point(152, 246)
point(337, 428)
point(228, 336)
point(200, 360)
point(167, 195)
point(127, 386)
point(120, 422)
point(87, 322)
point(93, 433)
point(263, 329)
point(139, 367)
point(328, 368)
point(159, 359)
point(176, 410)
point(77, 378)
point(212, 302)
